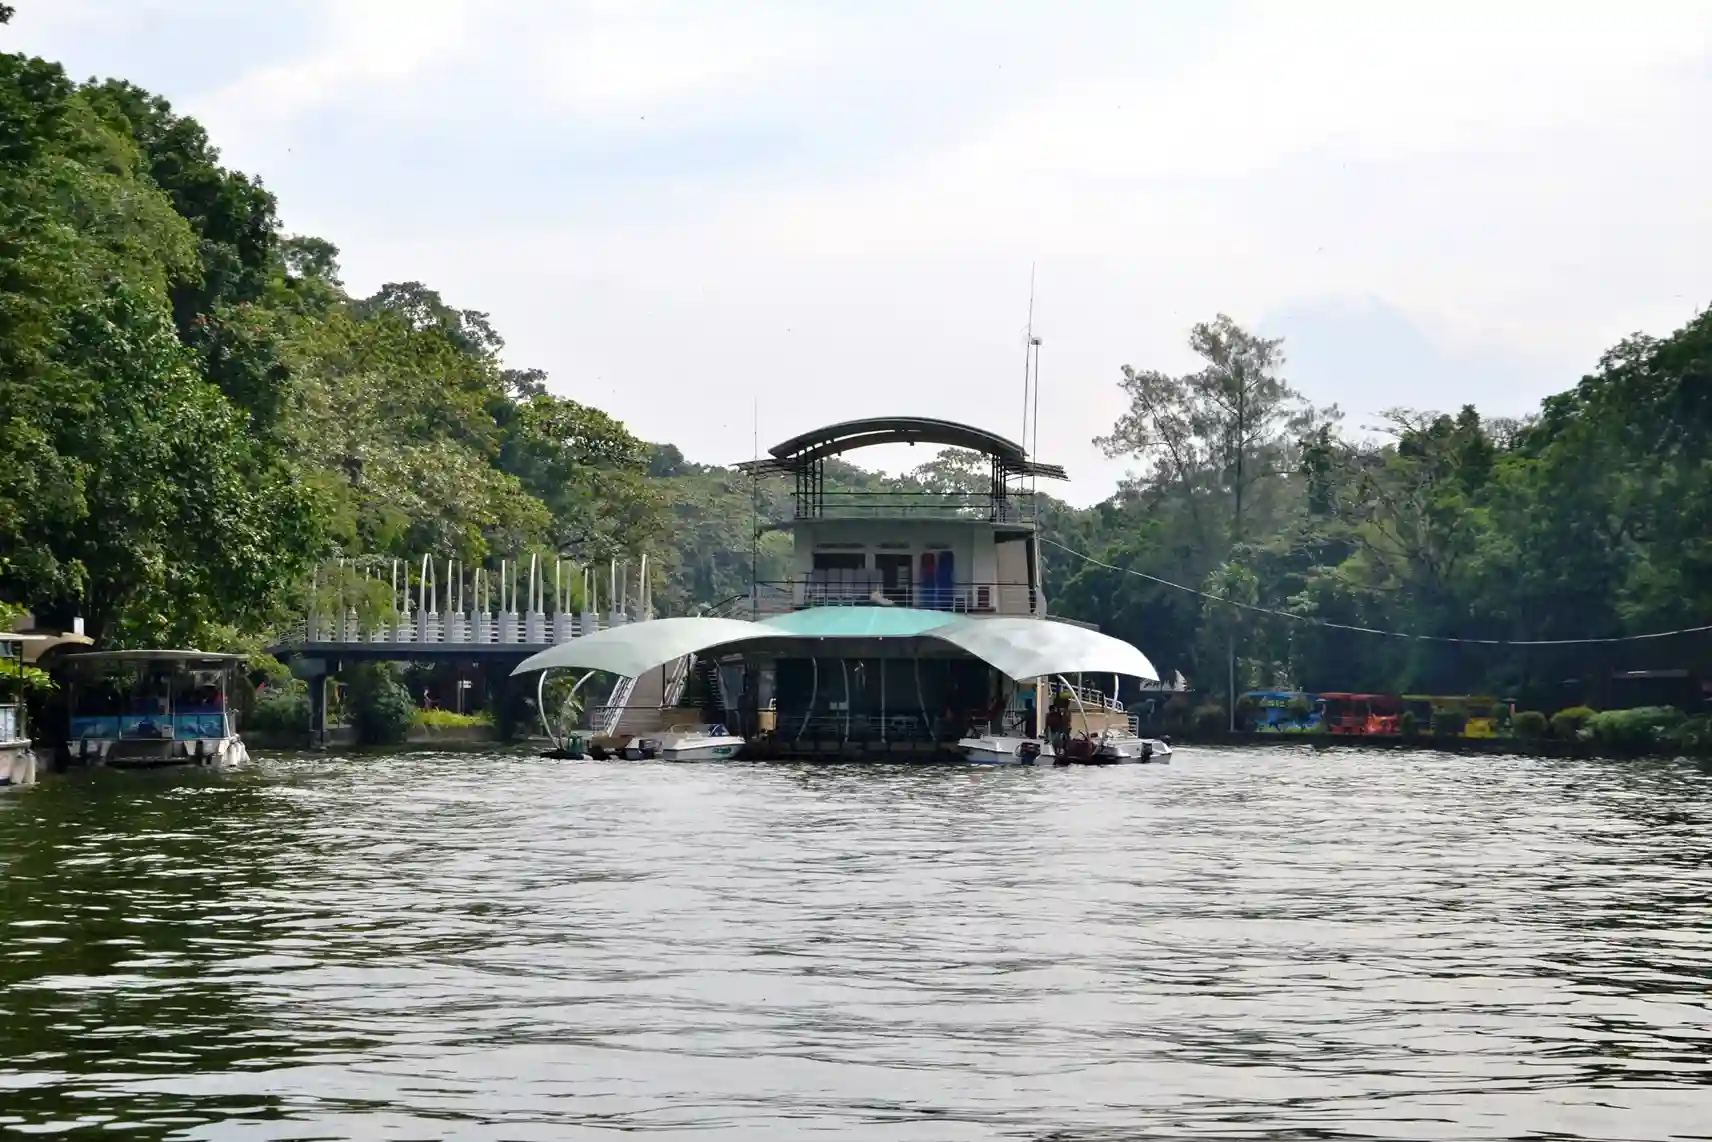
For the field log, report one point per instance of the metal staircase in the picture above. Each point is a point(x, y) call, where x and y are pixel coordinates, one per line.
point(635, 703)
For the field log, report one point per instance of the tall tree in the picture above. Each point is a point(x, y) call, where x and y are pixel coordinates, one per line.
point(1220, 432)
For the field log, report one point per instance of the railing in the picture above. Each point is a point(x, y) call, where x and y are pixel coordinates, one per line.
point(1017, 507)
point(605, 719)
point(11, 724)
point(677, 676)
point(467, 628)
point(866, 589)
point(1095, 699)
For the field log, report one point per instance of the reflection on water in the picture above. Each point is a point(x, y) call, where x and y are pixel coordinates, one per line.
point(1265, 944)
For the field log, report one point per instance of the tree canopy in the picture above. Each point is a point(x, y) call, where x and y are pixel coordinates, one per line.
point(1587, 521)
point(194, 411)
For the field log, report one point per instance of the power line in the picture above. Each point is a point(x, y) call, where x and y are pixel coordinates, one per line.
point(1329, 625)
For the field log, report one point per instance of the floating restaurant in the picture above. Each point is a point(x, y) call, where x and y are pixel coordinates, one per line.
point(913, 622)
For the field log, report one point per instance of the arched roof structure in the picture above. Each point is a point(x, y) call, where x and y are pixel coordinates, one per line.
point(801, 451)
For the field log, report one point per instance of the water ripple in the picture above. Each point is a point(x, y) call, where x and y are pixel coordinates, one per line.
point(1276, 944)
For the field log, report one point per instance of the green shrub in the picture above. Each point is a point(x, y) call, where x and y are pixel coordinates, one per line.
point(1210, 719)
point(1529, 725)
point(381, 709)
point(1247, 713)
point(1693, 736)
point(1409, 725)
point(451, 718)
point(1566, 725)
point(20, 681)
point(1449, 723)
point(1641, 730)
point(281, 709)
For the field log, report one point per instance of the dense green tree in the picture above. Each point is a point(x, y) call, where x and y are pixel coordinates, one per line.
point(1586, 522)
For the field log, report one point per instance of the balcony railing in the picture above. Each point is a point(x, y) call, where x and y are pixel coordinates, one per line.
point(1017, 507)
point(838, 588)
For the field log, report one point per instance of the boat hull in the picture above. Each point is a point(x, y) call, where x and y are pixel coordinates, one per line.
point(1145, 751)
point(203, 753)
point(994, 750)
point(1016, 751)
point(716, 749)
point(17, 765)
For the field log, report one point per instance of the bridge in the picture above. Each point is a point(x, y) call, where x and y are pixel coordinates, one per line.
point(419, 614)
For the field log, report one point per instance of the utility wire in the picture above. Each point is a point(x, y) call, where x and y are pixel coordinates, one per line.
point(1311, 621)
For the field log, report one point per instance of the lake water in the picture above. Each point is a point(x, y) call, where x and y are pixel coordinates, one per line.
point(1253, 944)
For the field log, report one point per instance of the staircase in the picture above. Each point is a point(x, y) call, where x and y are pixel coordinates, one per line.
point(636, 704)
point(702, 688)
point(640, 712)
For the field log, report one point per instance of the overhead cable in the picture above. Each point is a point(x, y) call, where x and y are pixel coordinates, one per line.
point(1329, 625)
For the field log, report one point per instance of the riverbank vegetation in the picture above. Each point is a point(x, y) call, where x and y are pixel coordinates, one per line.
point(195, 410)
point(1455, 553)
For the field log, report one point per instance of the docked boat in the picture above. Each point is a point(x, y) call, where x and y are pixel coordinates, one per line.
point(1119, 747)
point(1109, 747)
point(641, 749)
point(141, 708)
point(17, 758)
point(1000, 749)
point(699, 742)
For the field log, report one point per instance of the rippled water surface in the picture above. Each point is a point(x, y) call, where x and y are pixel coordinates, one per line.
point(495, 946)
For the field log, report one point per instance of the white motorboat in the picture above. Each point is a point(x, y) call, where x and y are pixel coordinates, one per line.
point(1000, 749)
point(1120, 747)
point(698, 742)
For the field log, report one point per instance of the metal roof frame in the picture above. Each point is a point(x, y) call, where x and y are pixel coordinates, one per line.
point(806, 448)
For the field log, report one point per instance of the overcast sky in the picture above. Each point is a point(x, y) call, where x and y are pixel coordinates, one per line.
point(680, 209)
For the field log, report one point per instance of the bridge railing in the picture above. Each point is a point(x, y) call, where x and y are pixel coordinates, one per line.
point(397, 602)
point(463, 628)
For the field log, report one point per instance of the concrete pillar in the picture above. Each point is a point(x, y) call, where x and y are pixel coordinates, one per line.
point(502, 700)
point(318, 712)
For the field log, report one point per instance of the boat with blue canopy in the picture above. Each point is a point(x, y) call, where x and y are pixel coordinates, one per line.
point(135, 708)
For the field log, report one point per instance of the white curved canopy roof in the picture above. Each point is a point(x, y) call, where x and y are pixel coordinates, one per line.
point(635, 648)
point(1034, 648)
point(1021, 648)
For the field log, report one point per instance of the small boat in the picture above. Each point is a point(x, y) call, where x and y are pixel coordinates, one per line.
point(641, 749)
point(699, 742)
point(1001, 749)
point(136, 708)
point(17, 759)
point(1120, 747)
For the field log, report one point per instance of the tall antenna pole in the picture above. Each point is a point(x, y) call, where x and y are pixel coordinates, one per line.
point(755, 517)
point(1028, 347)
point(1034, 343)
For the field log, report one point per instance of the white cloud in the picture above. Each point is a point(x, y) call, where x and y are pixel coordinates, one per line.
point(365, 46)
point(604, 59)
point(1519, 182)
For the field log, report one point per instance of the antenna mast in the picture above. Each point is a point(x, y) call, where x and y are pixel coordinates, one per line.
point(1027, 349)
point(755, 516)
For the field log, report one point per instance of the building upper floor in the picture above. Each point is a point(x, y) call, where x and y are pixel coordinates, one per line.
point(968, 547)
